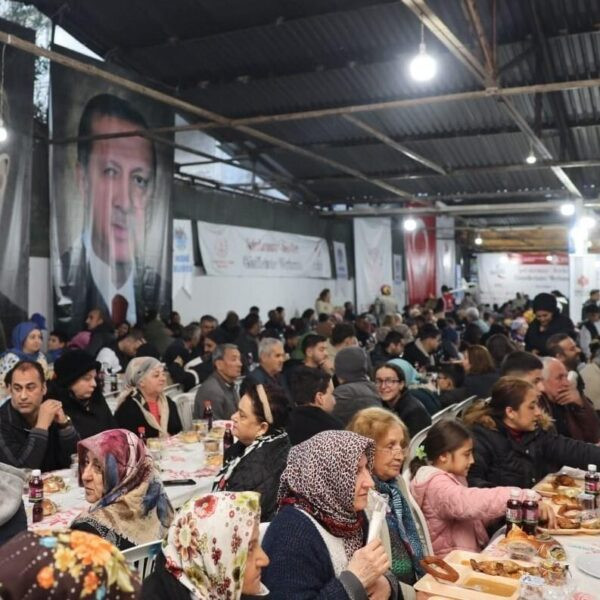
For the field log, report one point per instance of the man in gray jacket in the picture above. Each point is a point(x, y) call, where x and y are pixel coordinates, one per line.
point(219, 389)
point(355, 391)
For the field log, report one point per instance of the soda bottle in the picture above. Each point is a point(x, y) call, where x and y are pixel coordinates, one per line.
point(514, 510)
point(227, 437)
point(36, 486)
point(530, 513)
point(38, 511)
point(113, 382)
point(592, 483)
point(142, 433)
point(207, 415)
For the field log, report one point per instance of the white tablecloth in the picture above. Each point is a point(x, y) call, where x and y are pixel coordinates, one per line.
point(180, 461)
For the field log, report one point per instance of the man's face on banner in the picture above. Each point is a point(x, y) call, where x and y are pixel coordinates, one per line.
point(117, 185)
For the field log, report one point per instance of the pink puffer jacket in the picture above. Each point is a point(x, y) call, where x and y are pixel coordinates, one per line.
point(455, 513)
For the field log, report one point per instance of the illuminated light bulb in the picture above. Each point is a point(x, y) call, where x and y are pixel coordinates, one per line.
point(423, 66)
point(478, 240)
point(531, 158)
point(567, 209)
point(409, 224)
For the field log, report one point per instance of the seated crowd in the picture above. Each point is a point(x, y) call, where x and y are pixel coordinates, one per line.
point(322, 409)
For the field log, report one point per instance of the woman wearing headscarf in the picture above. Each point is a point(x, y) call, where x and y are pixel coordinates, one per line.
point(401, 538)
point(548, 321)
point(64, 565)
point(203, 559)
point(255, 462)
point(129, 505)
point(26, 345)
point(316, 542)
point(143, 402)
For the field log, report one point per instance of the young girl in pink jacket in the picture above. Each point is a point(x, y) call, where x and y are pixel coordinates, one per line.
point(456, 514)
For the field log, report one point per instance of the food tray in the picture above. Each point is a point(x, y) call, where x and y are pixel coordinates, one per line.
point(544, 487)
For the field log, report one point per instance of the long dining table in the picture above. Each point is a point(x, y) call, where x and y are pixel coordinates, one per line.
point(180, 461)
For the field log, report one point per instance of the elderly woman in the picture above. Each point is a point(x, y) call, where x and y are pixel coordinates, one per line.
point(401, 539)
point(316, 542)
point(392, 388)
point(129, 503)
point(255, 462)
point(202, 559)
point(26, 345)
point(143, 402)
point(64, 565)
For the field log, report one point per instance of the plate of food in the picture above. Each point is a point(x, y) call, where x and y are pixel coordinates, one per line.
point(54, 484)
point(188, 437)
point(561, 484)
point(49, 507)
point(571, 518)
point(542, 545)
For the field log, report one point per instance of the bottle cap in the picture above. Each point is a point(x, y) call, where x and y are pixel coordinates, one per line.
point(36, 473)
point(531, 495)
point(592, 468)
point(141, 429)
point(227, 425)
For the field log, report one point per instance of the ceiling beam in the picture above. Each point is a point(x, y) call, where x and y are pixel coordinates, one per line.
point(94, 71)
point(441, 31)
point(473, 170)
point(472, 11)
point(483, 209)
point(390, 143)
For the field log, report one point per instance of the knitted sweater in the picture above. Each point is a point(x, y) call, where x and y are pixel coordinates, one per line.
point(301, 566)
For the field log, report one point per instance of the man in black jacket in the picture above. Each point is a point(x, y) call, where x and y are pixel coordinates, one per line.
point(391, 347)
point(101, 329)
point(312, 391)
point(34, 434)
point(180, 358)
point(421, 353)
point(76, 386)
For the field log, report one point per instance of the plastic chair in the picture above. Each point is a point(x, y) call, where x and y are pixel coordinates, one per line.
point(442, 414)
point(412, 452)
point(460, 407)
point(142, 558)
point(185, 408)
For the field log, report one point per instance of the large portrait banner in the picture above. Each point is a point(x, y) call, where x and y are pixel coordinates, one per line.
point(111, 225)
point(16, 112)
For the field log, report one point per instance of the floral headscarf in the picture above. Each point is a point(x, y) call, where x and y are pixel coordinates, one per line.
point(64, 565)
point(134, 504)
point(320, 478)
point(206, 548)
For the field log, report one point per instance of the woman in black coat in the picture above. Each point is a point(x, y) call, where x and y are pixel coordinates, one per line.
point(255, 462)
point(515, 444)
point(547, 322)
point(143, 403)
point(76, 386)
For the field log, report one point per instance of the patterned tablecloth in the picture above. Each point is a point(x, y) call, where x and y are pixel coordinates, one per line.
point(179, 461)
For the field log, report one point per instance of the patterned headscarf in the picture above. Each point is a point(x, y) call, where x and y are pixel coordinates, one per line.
point(320, 478)
point(136, 370)
point(206, 548)
point(64, 564)
point(134, 504)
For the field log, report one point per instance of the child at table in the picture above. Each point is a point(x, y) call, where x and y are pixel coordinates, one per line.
point(456, 514)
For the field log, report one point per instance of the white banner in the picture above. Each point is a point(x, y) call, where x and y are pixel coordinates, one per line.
point(398, 268)
point(372, 258)
point(341, 260)
point(183, 256)
point(502, 275)
point(445, 253)
point(248, 252)
point(584, 271)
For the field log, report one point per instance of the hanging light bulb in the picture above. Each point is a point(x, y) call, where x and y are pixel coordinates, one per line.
point(478, 240)
point(423, 66)
point(567, 209)
point(409, 224)
point(531, 158)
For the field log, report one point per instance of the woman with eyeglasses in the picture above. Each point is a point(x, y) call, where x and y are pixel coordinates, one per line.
point(143, 402)
point(392, 389)
point(402, 539)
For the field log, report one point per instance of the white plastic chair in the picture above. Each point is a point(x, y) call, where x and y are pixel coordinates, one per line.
point(459, 408)
point(442, 414)
point(412, 452)
point(142, 558)
point(185, 408)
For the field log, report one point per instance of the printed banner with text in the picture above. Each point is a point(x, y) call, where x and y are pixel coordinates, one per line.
point(183, 256)
point(247, 252)
point(502, 275)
